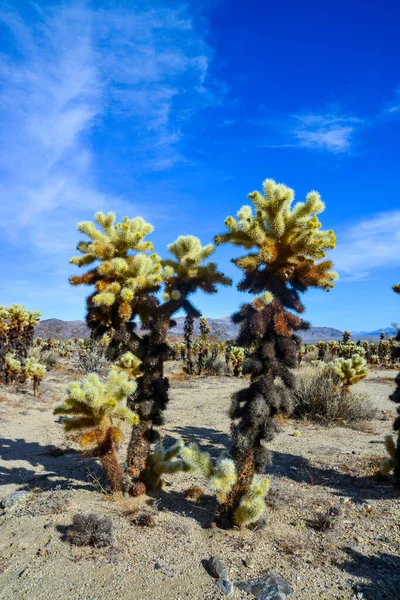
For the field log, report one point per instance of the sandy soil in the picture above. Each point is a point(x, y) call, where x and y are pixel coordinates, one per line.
point(324, 467)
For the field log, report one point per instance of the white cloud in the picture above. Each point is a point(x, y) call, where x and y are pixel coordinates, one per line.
point(330, 132)
point(69, 73)
point(325, 132)
point(368, 245)
point(393, 109)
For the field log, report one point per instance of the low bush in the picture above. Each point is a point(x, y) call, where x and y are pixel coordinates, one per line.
point(319, 397)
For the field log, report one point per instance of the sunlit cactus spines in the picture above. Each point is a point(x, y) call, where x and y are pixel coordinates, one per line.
point(12, 366)
point(162, 461)
point(129, 364)
point(220, 475)
point(35, 370)
point(390, 463)
point(17, 327)
point(351, 370)
point(236, 357)
point(252, 504)
point(93, 409)
point(286, 256)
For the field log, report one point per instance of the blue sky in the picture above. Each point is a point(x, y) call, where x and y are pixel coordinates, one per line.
point(176, 111)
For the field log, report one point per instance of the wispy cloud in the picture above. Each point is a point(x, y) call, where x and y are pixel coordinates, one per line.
point(329, 132)
point(393, 108)
point(368, 245)
point(325, 132)
point(75, 71)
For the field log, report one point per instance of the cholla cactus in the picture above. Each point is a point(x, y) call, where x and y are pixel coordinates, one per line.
point(252, 505)
point(288, 251)
point(129, 364)
point(12, 366)
point(17, 327)
point(188, 330)
point(127, 281)
point(390, 463)
point(222, 477)
point(237, 356)
point(395, 396)
point(93, 409)
point(346, 336)
point(34, 370)
point(164, 461)
point(351, 370)
point(374, 359)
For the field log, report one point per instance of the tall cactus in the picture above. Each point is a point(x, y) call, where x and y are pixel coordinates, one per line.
point(287, 258)
point(127, 282)
point(395, 396)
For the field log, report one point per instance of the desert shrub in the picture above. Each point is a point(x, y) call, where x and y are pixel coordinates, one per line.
point(91, 530)
point(50, 358)
point(89, 358)
point(216, 365)
point(318, 397)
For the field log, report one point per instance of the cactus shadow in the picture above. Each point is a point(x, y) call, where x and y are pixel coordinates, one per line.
point(382, 570)
point(358, 489)
point(47, 466)
point(210, 440)
point(174, 502)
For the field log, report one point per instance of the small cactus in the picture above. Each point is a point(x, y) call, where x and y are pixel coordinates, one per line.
point(389, 464)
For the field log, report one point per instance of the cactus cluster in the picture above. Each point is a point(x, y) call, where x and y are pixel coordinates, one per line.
point(132, 282)
point(17, 327)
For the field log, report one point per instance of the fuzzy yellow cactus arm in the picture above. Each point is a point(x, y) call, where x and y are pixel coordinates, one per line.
point(187, 267)
point(252, 505)
point(94, 404)
point(288, 240)
point(130, 364)
point(125, 272)
point(197, 459)
point(389, 463)
point(165, 461)
point(351, 370)
point(13, 365)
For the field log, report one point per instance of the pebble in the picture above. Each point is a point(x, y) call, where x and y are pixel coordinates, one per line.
point(272, 587)
point(157, 566)
point(217, 567)
point(248, 562)
point(14, 498)
point(226, 587)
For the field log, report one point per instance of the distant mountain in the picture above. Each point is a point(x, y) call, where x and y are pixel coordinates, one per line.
point(222, 328)
point(373, 335)
point(59, 329)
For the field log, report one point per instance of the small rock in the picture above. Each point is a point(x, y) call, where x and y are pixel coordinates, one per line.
point(272, 587)
point(226, 587)
point(157, 566)
point(217, 567)
point(14, 498)
point(248, 562)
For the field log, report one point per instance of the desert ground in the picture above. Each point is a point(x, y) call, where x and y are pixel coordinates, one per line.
point(325, 467)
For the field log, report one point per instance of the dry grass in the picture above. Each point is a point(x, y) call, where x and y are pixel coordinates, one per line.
point(319, 398)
